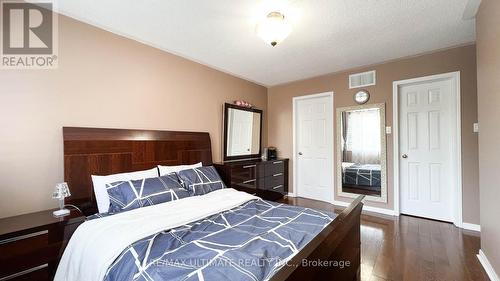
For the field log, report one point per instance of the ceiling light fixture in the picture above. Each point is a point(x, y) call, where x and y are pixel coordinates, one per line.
point(274, 28)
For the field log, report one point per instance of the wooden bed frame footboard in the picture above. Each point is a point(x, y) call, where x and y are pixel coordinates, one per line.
point(335, 254)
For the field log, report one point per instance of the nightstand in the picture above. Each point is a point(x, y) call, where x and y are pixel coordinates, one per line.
point(31, 245)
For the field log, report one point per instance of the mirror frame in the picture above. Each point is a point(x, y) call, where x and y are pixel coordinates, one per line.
point(383, 152)
point(227, 106)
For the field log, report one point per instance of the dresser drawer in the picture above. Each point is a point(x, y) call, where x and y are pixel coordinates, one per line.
point(266, 179)
point(25, 252)
point(39, 273)
point(248, 184)
point(248, 187)
point(274, 181)
point(243, 174)
point(275, 167)
point(277, 188)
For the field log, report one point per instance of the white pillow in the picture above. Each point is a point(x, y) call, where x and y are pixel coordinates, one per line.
point(165, 170)
point(99, 182)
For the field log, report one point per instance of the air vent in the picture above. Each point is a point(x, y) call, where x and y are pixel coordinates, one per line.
point(364, 79)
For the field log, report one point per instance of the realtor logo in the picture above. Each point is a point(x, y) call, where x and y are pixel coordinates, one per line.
point(29, 33)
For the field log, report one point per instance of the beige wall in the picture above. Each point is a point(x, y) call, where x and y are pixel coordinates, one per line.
point(488, 85)
point(458, 59)
point(103, 80)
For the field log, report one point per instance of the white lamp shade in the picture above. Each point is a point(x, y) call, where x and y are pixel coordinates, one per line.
point(61, 191)
point(274, 28)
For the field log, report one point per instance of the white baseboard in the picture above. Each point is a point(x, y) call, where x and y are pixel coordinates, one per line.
point(487, 266)
point(471, 226)
point(291, 194)
point(368, 208)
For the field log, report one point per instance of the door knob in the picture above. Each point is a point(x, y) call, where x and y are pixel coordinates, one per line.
point(300, 153)
point(404, 156)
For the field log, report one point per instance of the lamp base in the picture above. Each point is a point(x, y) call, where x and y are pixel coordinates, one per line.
point(61, 213)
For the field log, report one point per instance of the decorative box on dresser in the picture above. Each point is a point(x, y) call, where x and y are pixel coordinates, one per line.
point(31, 245)
point(267, 179)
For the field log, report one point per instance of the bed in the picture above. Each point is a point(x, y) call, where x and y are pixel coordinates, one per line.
point(222, 235)
point(361, 176)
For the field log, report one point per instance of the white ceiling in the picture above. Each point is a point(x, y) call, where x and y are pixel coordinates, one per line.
point(327, 36)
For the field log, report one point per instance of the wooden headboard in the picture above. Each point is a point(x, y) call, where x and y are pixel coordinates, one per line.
point(93, 151)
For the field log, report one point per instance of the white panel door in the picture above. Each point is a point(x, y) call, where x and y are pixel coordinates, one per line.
point(314, 148)
point(426, 180)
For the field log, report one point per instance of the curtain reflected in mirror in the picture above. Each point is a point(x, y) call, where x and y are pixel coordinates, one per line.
point(361, 161)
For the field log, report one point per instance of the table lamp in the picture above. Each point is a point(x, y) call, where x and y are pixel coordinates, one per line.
point(61, 191)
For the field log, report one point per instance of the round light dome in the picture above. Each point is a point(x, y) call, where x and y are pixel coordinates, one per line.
point(274, 28)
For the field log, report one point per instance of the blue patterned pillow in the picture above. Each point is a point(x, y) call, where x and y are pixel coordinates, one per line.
point(199, 181)
point(129, 195)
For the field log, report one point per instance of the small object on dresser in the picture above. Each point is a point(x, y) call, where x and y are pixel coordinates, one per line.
point(61, 191)
point(271, 153)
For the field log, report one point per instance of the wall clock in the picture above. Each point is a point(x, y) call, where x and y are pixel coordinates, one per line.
point(361, 97)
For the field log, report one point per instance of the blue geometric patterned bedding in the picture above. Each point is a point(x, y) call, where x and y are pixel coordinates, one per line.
point(250, 242)
point(202, 180)
point(129, 195)
point(363, 176)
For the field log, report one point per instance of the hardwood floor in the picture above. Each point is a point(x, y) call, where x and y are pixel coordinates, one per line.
point(410, 248)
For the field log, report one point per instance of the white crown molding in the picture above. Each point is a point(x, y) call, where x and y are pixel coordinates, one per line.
point(487, 266)
point(471, 226)
point(471, 9)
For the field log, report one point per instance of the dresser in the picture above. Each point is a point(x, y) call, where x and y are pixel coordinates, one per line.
point(267, 179)
point(32, 244)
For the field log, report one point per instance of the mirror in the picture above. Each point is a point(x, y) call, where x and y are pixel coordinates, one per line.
point(242, 132)
point(361, 152)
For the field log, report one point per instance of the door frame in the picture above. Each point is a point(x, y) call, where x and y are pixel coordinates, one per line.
point(331, 144)
point(456, 145)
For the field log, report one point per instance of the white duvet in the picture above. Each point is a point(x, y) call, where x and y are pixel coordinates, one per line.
point(97, 243)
